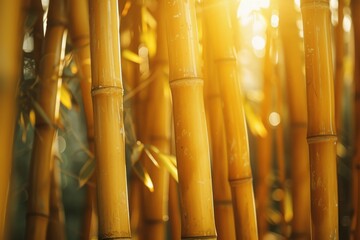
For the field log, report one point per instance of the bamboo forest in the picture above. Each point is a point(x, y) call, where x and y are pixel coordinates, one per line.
point(180, 119)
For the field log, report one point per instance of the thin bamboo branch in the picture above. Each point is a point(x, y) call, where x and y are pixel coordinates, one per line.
point(321, 133)
point(107, 95)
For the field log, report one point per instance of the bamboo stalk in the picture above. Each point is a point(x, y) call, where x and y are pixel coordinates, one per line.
point(107, 95)
point(296, 89)
point(51, 66)
point(240, 176)
point(191, 139)
point(136, 205)
point(355, 7)
point(79, 30)
point(279, 128)
point(224, 214)
point(321, 133)
point(56, 228)
point(155, 204)
point(174, 210)
point(36, 7)
point(10, 62)
point(339, 69)
point(265, 143)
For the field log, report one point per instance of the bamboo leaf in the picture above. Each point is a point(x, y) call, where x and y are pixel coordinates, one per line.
point(65, 97)
point(168, 161)
point(143, 175)
point(23, 128)
point(148, 18)
point(86, 172)
point(32, 118)
point(41, 112)
point(255, 124)
point(136, 152)
point(131, 56)
point(151, 157)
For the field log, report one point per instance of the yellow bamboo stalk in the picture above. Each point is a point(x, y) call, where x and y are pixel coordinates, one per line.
point(279, 109)
point(191, 139)
point(224, 214)
point(51, 66)
point(296, 89)
point(138, 117)
point(11, 26)
point(107, 95)
point(321, 133)
point(155, 204)
point(56, 228)
point(355, 7)
point(38, 34)
point(240, 176)
point(339, 66)
point(79, 30)
point(265, 143)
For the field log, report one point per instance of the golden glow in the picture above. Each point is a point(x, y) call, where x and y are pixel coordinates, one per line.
point(258, 42)
point(347, 23)
point(274, 119)
point(246, 7)
point(274, 20)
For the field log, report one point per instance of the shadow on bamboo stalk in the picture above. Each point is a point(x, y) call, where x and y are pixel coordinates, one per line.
point(240, 176)
point(51, 66)
point(107, 95)
point(191, 139)
point(11, 32)
point(296, 88)
point(321, 133)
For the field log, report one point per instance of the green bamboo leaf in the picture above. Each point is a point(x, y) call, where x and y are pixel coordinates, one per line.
point(86, 172)
point(168, 161)
point(144, 176)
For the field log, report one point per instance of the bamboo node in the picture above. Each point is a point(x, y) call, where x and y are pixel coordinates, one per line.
point(314, 4)
point(214, 237)
point(186, 81)
point(239, 181)
point(106, 90)
point(321, 138)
